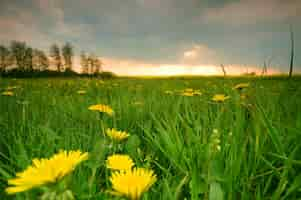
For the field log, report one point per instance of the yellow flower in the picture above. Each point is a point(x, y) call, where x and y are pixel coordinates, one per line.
point(132, 183)
point(7, 93)
point(119, 162)
point(187, 94)
point(46, 170)
point(220, 98)
point(117, 135)
point(241, 86)
point(197, 92)
point(188, 90)
point(102, 108)
point(81, 92)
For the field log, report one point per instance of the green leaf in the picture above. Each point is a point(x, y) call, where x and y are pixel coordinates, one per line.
point(216, 191)
point(97, 155)
point(273, 132)
point(132, 145)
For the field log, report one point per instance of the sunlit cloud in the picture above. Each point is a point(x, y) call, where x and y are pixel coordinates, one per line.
point(198, 54)
point(190, 54)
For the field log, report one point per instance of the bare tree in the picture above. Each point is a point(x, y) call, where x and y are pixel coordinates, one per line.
point(84, 62)
point(266, 64)
point(28, 65)
point(40, 60)
point(67, 52)
point(56, 56)
point(4, 58)
point(264, 68)
point(98, 65)
point(91, 63)
point(223, 69)
point(292, 52)
point(19, 54)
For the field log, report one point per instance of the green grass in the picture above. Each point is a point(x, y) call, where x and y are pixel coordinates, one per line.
point(260, 149)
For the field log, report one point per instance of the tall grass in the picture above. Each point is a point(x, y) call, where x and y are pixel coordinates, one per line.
point(258, 137)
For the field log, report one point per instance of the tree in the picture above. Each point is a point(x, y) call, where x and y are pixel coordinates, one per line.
point(40, 60)
point(266, 63)
point(28, 60)
point(44, 61)
point(19, 53)
point(67, 52)
point(56, 56)
point(91, 64)
point(84, 62)
point(223, 69)
point(4, 58)
point(97, 65)
point(264, 68)
point(292, 52)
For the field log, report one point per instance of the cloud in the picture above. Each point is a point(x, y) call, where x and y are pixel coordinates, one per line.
point(199, 54)
point(40, 24)
point(254, 11)
point(191, 54)
point(156, 33)
point(53, 10)
point(23, 28)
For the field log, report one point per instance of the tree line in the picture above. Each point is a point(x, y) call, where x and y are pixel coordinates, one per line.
point(20, 57)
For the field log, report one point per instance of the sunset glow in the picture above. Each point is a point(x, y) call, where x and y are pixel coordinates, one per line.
point(175, 70)
point(136, 68)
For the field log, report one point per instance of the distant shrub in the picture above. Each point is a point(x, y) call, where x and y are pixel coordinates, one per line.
point(108, 75)
point(17, 73)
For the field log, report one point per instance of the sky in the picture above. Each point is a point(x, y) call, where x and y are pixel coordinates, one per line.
point(162, 37)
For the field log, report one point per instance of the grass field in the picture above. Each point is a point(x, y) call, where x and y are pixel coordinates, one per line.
point(247, 147)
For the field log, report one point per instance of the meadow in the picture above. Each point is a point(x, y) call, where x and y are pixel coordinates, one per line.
point(246, 146)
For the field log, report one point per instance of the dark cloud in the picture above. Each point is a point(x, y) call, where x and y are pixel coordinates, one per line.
point(156, 31)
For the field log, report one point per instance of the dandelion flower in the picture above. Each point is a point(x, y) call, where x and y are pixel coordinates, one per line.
point(132, 183)
point(7, 93)
point(117, 135)
point(188, 90)
point(102, 108)
point(197, 92)
point(187, 94)
point(241, 86)
point(119, 162)
point(46, 170)
point(219, 98)
point(81, 92)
